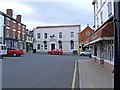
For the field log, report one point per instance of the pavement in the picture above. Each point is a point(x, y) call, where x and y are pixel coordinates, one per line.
point(92, 75)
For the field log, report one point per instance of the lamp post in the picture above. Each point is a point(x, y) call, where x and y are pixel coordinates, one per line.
point(117, 44)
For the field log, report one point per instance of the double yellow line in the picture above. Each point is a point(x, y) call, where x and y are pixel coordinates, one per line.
point(74, 75)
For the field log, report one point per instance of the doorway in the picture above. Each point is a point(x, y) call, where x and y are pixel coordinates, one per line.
point(52, 46)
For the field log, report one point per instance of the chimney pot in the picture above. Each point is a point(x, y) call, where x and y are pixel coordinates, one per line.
point(18, 18)
point(9, 12)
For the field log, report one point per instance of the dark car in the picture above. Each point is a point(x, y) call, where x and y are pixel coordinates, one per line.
point(57, 51)
point(14, 52)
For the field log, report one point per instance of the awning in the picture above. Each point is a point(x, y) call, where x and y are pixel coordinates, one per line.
point(104, 33)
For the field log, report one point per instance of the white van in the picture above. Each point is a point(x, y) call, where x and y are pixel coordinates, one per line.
point(3, 50)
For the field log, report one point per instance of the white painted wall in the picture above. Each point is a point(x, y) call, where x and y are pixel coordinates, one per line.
point(1, 27)
point(66, 33)
point(103, 8)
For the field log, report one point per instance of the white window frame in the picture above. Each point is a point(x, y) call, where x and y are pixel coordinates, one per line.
point(38, 46)
point(109, 8)
point(72, 35)
point(14, 24)
point(101, 16)
point(60, 34)
point(38, 35)
point(7, 32)
point(19, 26)
point(45, 35)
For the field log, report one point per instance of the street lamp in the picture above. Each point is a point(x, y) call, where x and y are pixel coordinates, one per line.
point(117, 44)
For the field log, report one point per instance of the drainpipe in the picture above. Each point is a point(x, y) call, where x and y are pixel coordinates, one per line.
point(117, 44)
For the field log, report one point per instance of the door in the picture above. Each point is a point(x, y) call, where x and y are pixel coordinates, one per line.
point(52, 46)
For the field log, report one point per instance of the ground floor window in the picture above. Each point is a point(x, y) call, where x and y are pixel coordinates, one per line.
point(38, 46)
point(45, 46)
point(60, 45)
point(72, 45)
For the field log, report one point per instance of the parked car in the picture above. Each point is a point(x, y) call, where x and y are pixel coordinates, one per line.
point(3, 50)
point(57, 51)
point(85, 53)
point(14, 52)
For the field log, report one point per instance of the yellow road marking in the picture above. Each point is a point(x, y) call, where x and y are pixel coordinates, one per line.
point(74, 76)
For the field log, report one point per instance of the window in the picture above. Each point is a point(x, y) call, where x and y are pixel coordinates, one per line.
point(7, 21)
point(14, 24)
point(7, 32)
point(101, 15)
point(38, 35)
point(72, 45)
point(60, 45)
point(38, 46)
point(97, 22)
point(13, 34)
point(72, 34)
point(45, 35)
point(18, 35)
point(45, 46)
point(100, 2)
point(109, 8)
point(60, 34)
point(18, 26)
point(96, 4)
point(23, 37)
point(23, 28)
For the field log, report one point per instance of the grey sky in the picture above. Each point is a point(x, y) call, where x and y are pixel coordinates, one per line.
point(52, 13)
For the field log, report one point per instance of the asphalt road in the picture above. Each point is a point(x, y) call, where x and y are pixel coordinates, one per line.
point(39, 71)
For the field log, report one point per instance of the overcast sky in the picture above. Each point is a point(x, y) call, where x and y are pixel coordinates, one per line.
point(51, 12)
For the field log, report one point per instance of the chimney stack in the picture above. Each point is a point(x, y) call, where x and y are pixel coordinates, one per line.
point(18, 18)
point(9, 12)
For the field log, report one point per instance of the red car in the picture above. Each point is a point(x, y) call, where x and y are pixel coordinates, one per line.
point(15, 52)
point(58, 52)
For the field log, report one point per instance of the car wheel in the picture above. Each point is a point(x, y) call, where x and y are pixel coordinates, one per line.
point(14, 54)
point(82, 54)
point(49, 53)
point(59, 53)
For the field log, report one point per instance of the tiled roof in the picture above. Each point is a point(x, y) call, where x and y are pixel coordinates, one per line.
point(106, 31)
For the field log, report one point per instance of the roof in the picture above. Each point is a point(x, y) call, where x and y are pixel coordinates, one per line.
point(10, 17)
point(106, 31)
point(58, 26)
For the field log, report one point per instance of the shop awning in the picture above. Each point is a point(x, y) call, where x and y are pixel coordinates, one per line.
point(104, 33)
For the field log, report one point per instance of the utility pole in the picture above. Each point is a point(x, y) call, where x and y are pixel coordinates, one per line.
point(117, 44)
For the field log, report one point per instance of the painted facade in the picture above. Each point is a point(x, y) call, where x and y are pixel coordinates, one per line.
point(1, 28)
point(63, 37)
point(102, 40)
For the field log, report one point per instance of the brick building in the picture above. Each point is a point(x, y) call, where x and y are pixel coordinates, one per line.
point(14, 31)
point(84, 35)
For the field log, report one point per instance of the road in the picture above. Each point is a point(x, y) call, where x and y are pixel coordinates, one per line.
point(39, 71)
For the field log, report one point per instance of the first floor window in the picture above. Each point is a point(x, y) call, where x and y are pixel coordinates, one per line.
point(38, 35)
point(7, 32)
point(13, 34)
point(38, 46)
point(23, 37)
point(72, 35)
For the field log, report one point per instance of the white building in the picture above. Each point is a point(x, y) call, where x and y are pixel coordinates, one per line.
point(63, 37)
point(1, 28)
point(103, 37)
